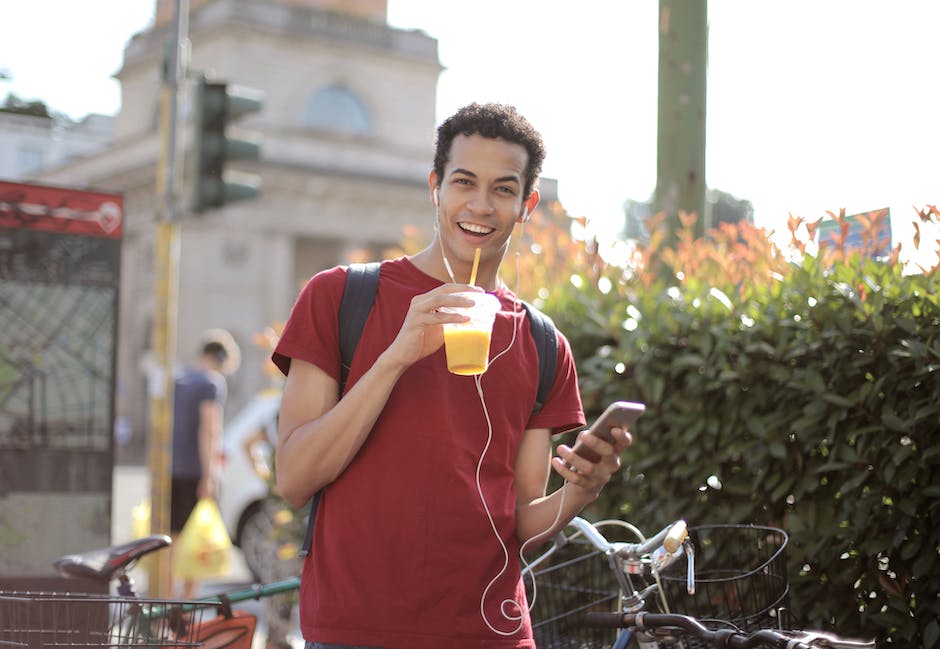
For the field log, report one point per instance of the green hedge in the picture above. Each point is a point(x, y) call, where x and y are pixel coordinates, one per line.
point(810, 403)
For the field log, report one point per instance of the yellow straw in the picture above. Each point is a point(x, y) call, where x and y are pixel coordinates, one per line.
point(476, 262)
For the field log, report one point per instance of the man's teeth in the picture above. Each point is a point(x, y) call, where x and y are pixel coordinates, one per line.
point(476, 229)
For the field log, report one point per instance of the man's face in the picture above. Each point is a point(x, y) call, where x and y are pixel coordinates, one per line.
point(480, 196)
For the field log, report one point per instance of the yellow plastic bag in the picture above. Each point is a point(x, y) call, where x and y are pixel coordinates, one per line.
point(203, 549)
point(140, 527)
point(140, 519)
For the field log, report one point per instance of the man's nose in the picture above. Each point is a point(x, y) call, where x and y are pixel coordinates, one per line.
point(480, 203)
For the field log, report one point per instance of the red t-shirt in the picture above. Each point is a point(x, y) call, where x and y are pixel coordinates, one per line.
point(403, 549)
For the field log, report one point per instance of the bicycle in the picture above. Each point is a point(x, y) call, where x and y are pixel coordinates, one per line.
point(584, 574)
point(127, 619)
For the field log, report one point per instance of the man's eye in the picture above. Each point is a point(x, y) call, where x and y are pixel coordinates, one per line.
point(507, 190)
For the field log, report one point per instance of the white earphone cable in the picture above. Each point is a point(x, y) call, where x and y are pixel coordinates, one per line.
point(510, 609)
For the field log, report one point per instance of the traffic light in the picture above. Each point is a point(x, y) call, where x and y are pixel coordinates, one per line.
point(217, 106)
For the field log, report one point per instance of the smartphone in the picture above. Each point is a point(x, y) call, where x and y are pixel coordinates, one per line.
point(622, 414)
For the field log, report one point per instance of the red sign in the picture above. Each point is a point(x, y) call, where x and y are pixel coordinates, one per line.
point(59, 209)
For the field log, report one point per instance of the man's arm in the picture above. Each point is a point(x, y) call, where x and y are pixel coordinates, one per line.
point(210, 445)
point(538, 515)
point(318, 433)
point(254, 455)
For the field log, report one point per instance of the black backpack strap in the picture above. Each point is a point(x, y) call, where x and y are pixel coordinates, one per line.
point(546, 344)
point(311, 521)
point(362, 282)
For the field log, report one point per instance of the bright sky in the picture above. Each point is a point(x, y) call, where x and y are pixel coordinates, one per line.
point(812, 105)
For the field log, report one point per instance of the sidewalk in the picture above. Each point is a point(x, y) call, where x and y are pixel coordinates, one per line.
point(131, 487)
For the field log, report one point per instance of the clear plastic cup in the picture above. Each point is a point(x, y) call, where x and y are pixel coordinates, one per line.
point(467, 344)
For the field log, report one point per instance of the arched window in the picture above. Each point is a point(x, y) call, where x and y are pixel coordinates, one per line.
point(336, 108)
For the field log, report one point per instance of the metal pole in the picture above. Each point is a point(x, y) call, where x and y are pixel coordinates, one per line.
point(680, 164)
point(166, 288)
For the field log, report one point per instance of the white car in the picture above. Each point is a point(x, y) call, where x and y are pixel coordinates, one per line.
point(241, 490)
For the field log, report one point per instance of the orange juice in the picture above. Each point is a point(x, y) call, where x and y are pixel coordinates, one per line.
point(467, 350)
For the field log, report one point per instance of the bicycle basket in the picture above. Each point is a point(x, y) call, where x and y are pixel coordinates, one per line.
point(740, 578)
point(33, 620)
point(575, 581)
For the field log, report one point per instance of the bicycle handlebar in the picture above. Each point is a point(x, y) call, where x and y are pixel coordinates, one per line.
point(658, 551)
point(670, 538)
point(654, 554)
point(735, 639)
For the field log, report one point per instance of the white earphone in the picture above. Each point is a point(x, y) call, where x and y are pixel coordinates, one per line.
point(525, 215)
point(436, 198)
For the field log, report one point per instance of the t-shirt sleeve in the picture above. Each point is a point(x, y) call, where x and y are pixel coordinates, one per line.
point(311, 333)
point(562, 410)
point(215, 389)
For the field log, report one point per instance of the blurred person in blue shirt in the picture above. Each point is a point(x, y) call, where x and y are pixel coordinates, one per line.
point(199, 394)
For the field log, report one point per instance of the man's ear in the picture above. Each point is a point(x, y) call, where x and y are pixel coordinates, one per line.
point(528, 206)
point(432, 187)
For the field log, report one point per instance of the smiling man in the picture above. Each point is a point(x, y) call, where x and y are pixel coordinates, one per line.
point(431, 482)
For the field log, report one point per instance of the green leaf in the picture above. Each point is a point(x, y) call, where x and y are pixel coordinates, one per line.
point(901, 454)
point(931, 634)
point(911, 548)
point(777, 450)
point(832, 466)
point(854, 482)
point(887, 473)
point(814, 381)
point(908, 506)
point(839, 400)
point(923, 565)
point(894, 422)
point(782, 490)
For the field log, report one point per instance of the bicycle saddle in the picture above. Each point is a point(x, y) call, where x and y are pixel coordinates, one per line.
point(106, 563)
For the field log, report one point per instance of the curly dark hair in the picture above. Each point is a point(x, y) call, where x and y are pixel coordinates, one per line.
point(496, 121)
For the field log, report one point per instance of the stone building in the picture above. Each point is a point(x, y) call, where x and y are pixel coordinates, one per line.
point(348, 130)
point(33, 142)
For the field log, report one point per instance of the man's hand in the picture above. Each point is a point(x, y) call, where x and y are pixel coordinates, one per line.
point(207, 487)
point(422, 332)
point(588, 475)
